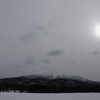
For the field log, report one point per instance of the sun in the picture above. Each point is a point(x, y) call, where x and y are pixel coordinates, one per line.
point(97, 30)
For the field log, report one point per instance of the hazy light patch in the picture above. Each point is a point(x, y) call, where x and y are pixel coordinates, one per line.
point(97, 30)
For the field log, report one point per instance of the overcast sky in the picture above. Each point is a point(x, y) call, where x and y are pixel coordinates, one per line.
point(47, 35)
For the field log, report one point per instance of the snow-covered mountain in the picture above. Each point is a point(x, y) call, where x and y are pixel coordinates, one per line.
point(57, 75)
point(49, 82)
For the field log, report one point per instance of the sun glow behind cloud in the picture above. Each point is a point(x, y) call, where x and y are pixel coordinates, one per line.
point(97, 30)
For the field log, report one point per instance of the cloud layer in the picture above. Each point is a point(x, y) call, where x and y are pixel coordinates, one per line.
point(95, 53)
point(46, 61)
point(30, 60)
point(55, 53)
point(29, 36)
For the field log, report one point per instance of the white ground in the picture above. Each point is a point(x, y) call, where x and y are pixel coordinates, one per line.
point(30, 96)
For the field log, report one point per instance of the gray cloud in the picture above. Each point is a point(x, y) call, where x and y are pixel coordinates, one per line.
point(77, 52)
point(30, 60)
point(55, 53)
point(72, 63)
point(29, 36)
point(46, 61)
point(94, 53)
point(43, 28)
point(32, 36)
point(80, 54)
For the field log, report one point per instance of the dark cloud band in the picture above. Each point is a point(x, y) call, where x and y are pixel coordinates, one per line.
point(55, 53)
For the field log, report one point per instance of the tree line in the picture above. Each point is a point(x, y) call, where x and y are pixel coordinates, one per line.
point(47, 88)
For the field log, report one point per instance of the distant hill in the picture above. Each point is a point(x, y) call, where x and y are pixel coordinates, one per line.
point(43, 83)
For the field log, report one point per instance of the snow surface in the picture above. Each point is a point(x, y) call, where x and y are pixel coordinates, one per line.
point(35, 96)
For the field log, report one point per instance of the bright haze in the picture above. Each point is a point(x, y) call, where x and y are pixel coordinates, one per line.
point(50, 35)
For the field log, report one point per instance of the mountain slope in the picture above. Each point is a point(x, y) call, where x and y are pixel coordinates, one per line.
point(49, 83)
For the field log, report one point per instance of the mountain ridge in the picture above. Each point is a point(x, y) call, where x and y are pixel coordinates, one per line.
point(48, 83)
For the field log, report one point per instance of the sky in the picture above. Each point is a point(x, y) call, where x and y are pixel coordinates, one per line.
point(50, 35)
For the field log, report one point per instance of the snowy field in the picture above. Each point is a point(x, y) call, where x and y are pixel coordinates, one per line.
point(30, 96)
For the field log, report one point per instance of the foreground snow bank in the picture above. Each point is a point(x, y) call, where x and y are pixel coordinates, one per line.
point(29, 96)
